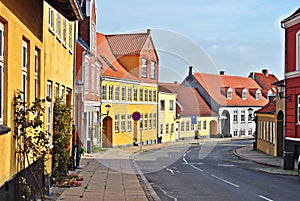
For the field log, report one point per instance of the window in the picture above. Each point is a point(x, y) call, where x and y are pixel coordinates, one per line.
point(123, 93)
point(161, 128)
point(129, 122)
point(154, 120)
point(204, 125)
point(145, 121)
point(235, 132)
point(187, 125)
point(146, 95)
point(162, 105)
point(298, 51)
point(93, 78)
point(36, 73)
point(192, 127)
point(51, 18)
point(150, 120)
point(116, 123)
point(58, 24)
point(298, 109)
point(135, 94)
point(273, 132)
point(129, 94)
point(71, 36)
point(182, 126)
point(123, 122)
point(150, 95)
point(172, 128)
point(141, 94)
point(199, 125)
point(244, 94)
point(56, 90)
point(1, 72)
point(97, 79)
point(242, 132)
point(171, 106)
point(93, 32)
point(258, 95)
point(86, 76)
point(63, 93)
point(267, 131)
point(141, 121)
point(249, 131)
point(167, 129)
point(110, 92)
point(117, 93)
point(154, 95)
point(235, 116)
point(49, 94)
point(229, 94)
point(144, 68)
point(103, 92)
point(64, 31)
point(153, 68)
point(1, 42)
point(24, 70)
point(243, 116)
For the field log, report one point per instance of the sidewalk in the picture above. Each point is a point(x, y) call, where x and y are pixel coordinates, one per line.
point(111, 174)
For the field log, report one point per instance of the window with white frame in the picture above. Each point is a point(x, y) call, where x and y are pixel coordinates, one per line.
point(150, 120)
point(146, 95)
point(129, 94)
point(71, 36)
point(58, 24)
point(145, 121)
point(110, 92)
point(24, 70)
point(93, 33)
point(204, 125)
point(192, 127)
point(298, 51)
point(144, 68)
point(167, 129)
point(129, 122)
point(135, 94)
point(235, 132)
point(141, 94)
point(123, 121)
point(235, 116)
point(162, 105)
point(153, 69)
point(271, 133)
point(243, 132)
point(244, 94)
point(63, 93)
point(243, 115)
point(154, 96)
point(187, 125)
point(161, 128)
point(172, 128)
point(117, 93)
point(49, 95)
point(51, 18)
point(249, 131)
point(123, 93)
point(86, 76)
point(1, 72)
point(171, 105)
point(103, 92)
point(258, 95)
point(97, 80)
point(93, 78)
point(150, 95)
point(154, 120)
point(56, 90)
point(182, 126)
point(229, 94)
point(298, 109)
point(36, 73)
point(199, 125)
point(116, 123)
point(141, 121)
point(267, 131)
point(64, 30)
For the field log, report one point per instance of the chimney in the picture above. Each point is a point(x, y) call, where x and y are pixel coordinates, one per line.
point(252, 75)
point(175, 82)
point(149, 31)
point(222, 72)
point(190, 70)
point(265, 72)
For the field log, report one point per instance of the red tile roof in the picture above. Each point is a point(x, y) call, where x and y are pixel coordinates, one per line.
point(215, 84)
point(127, 44)
point(265, 80)
point(111, 66)
point(190, 100)
point(270, 108)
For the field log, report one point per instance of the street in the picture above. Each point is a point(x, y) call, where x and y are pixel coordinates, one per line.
point(210, 171)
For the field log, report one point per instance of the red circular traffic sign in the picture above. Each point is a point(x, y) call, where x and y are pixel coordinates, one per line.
point(136, 116)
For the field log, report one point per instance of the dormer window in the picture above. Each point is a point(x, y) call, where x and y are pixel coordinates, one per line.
point(244, 94)
point(258, 94)
point(229, 94)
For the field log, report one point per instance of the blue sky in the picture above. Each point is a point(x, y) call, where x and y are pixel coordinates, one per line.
point(212, 35)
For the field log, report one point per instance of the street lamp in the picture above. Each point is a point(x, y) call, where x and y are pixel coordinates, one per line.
point(107, 108)
point(252, 117)
point(281, 89)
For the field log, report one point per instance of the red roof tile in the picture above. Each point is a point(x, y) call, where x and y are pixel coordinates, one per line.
point(127, 44)
point(270, 108)
point(214, 84)
point(265, 80)
point(111, 66)
point(190, 100)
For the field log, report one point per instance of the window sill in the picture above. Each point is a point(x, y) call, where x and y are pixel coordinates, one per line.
point(4, 129)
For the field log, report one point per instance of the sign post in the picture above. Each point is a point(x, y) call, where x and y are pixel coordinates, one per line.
point(136, 116)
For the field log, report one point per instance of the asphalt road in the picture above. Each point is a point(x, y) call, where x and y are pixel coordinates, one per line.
point(210, 171)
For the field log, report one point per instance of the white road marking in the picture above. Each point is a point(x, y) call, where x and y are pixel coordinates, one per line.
point(265, 198)
point(166, 194)
point(170, 170)
point(226, 165)
point(228, 182)
point(196, 168)
point(193, 163)
point(185, 160)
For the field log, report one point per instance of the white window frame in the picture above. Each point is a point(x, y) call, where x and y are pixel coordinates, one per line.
point(150, 95)
point(24, 69)
point(153, 68)
point(244, 94)
point(123, 93)
point(141, 94)
point(154, 96)
point(258, 95)
point(182, 124)
point(103, 92)
point(199, 125)
point(58, 24)
point(71, 36)
point(63, 93)
point(145, 121)
point(86, 76)
point(135, 94)
point(123, 121)
point(167, 129)
point(162, 105)
point(98, 80)
point(171, 105)
point(235, 116)
point(110, 92)
point(144, 68)
point(229, 94)
point(1, 42)
point(117, 93)
point(93, 35)
point(51, 18)
point(129, 94)
point(117, 123)
point(204, 125)
point(150, 121)
point(243, 116)
point(187, 125)
point(129, 122)
point(93, 79)
point(48, 121)
point(64, 30)
point(146, 95)
point(36, 72)
point(56, 90)
point(154, 120)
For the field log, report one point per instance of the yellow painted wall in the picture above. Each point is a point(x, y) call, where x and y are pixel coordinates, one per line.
point(16, 30)
point(119, 107)
point(167, 117)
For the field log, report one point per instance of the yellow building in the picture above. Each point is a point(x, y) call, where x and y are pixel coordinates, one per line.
point(128, 85)
point(194, 117)
point(33, 59)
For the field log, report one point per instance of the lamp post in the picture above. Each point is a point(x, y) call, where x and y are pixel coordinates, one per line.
point(253, 118)
point(281, 91)
point(107, 108)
